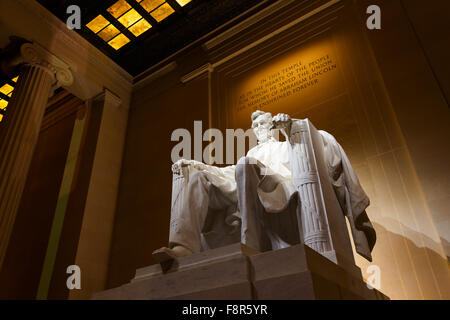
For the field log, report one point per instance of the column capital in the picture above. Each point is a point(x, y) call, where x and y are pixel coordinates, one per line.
point(21, 52)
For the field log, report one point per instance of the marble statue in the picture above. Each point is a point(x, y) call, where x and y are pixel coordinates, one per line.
point(278, 195)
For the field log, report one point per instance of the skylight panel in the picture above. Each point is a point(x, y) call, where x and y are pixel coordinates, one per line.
point(127, 14)
point(183, 2)
point(97, 24)
point(119, 41)
point(6, 90)
point(162, 12)
point(140, 27)
point(119, 8)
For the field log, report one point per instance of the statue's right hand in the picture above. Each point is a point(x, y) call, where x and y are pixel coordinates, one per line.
point(176, 167)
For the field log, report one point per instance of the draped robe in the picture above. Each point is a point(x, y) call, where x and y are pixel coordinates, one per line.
point(209, 214)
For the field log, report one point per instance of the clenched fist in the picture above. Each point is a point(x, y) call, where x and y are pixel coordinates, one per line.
point(281, 121)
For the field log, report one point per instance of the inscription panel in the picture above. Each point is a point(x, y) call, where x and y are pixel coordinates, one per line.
point(293, 82)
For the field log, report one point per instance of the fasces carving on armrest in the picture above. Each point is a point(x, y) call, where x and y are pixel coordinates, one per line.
point(182, 173)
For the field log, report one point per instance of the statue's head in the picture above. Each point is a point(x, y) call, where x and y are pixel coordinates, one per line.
point(261, 125)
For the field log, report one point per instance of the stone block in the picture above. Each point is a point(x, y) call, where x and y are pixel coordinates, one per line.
point(238, 272)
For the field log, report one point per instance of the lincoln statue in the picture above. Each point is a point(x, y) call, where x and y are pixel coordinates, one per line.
point(273, 198)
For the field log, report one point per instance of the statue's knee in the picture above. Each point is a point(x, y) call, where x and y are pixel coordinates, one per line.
point(247, 160)
point(197, 177)
point(245, 163)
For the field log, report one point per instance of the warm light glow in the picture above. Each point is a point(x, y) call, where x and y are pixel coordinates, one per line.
point(6, 89)
point(97, 24)
point(3, 104)
point(108, 33)
point(119, 41)
point(150, 5)
point(140, 27)
point(119, 8)
point(183, 2)
point(130, 18)
point(162, 12)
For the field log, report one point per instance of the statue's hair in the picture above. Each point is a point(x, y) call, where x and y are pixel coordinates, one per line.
point(258, 113)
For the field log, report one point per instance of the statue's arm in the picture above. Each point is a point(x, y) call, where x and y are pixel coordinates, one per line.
point(227, 171)
point(200, 166)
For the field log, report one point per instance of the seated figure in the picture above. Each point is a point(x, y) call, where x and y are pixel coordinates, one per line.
point(258, 201)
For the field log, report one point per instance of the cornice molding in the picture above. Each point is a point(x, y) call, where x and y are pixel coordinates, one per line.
point(206, 68)
point(155, 75)
point(276, 32)
point(246, 24)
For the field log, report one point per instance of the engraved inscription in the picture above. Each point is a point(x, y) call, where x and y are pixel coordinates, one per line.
point(287, 81)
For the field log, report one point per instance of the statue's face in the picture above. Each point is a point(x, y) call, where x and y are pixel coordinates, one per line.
point(261, 127)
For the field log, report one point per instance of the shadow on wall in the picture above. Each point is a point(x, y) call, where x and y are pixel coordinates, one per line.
point(407, 270)
point(446, 244)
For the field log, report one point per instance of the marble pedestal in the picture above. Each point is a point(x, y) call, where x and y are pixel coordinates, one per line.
point(237, 272)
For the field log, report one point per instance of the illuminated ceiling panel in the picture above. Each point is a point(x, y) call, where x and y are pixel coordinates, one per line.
point(6, 91)
point(183, 2)
point(131, 19)
point(108, 33)
point(119, 8)
point(119, 41)
point(151, 5)
point(140, 27)
point(97, 24)
point(163, 28)
point(162, 12)
point(3, 104)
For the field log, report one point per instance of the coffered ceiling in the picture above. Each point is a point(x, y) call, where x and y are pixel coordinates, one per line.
point(137, 34)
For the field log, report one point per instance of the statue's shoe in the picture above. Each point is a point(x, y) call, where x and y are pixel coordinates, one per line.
point(165, 254)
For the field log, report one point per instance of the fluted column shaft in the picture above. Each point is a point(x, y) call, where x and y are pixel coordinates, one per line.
point(18, 138)
point(39, 72)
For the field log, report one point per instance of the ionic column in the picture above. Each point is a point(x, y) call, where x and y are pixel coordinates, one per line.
point(39, 73)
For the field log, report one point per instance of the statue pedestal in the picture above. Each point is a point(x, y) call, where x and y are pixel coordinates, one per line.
point(237, 272)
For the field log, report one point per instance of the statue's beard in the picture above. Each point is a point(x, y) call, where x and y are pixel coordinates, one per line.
point(263, 135)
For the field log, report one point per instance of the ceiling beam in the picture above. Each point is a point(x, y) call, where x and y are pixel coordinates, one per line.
point(136, 6)
point(175, 5)
point(4, 97)
point(118, 25)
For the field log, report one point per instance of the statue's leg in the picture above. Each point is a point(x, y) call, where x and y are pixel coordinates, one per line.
point(187, 228)
point(248, 176)
point(184, 238)
point(200, 195)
